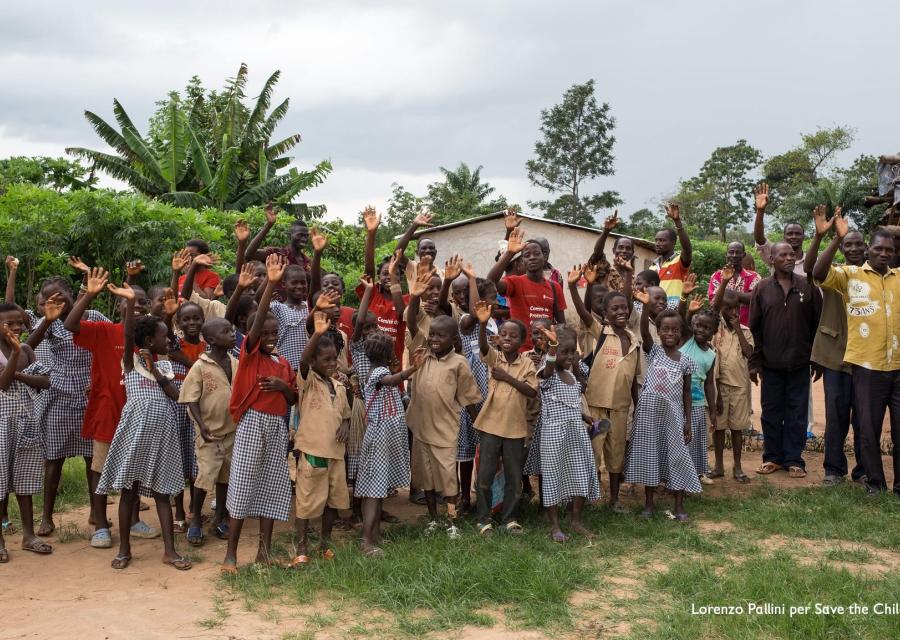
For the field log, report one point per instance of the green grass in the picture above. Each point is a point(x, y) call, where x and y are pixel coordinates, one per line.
point(73, 491)
point(434, 584)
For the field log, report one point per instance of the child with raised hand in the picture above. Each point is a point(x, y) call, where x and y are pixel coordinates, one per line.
point(22, 379)
point(145, 454)
point(442, 386)
point(319, 442)
point(502, 422)
point(241, 305)
point(384, 454)
point(259, 485)
point(206, 391)
point(422, 307)
point(568, 470)
point(704, 323)
point(327, 301)
point(292, 314)
point(658, 453)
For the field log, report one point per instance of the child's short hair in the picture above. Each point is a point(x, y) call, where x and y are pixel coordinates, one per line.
point(379, 348)
point(210, 325)
point(668, 313)
point(244, 306)
point(57, 281)
point(229, 284)
point(711, 314)
point(521, 326)
point(198, 244)
point(484, 285)
point(324, 342)
point(546, 322)
point(252, 318)
point(155, 290)
point(370, 317)
point(294, 270)
point(609, 297)
point(649, 276)
point(189, 305)
point(565, 332)
point(144, 329)
point(6, 307)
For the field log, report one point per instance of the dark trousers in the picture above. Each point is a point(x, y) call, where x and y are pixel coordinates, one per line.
point(785, 398)
point(491, 449)
point(875, 391)
point(840, 414)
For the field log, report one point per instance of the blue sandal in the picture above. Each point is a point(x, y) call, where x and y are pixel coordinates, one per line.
point(221, 530)
point(195, 536)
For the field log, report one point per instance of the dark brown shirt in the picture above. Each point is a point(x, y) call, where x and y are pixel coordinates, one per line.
point(784, 326)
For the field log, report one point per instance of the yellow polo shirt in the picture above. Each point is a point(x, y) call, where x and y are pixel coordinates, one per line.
point(873, 330)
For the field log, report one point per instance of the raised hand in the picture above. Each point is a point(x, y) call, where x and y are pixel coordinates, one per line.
point(13, 339)
point(327, 299)
point(734, 322)
point(394, 264)
point(320, 321)
point(423, 218)
point(690, 284)
point(511, 219)
point(206, 259)
point(420, 284)
point(641, 296)
point(241, 230)
point(822, 225)
point(180, 259)
point(271, 213)
point(275, 265)
point(134, 268)
point(371, 218)
point(762, 196)
point(452, 268)
point(695, 303)
point(219, 291)
point(12, 263)
point(366, 281)
point(169, 302)
point(76, 263)
point(482, 311)
point(53, 307)
point(96, 280)
point(612, 221)
point(245, 277)
point(575, 274)
point(673, 211)
point(841, 226)
point(549, 333)
point(418, 357)
point(319, 241)
point(622, 264)
point(125, 291)
point(468, 270)
point(516, 240)
point(727, 272)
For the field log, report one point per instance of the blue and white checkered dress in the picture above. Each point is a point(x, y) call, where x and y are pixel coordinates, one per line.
point(21, 443)
point(61, 408)
point(292, 334)
point(468, 436)
point(568, 469)
point(185, 426)
point(259, 485)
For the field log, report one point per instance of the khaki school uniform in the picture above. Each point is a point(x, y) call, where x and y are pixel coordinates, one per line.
point(211, 308)
point(506, 412)
point(208, 386)
point(411, 343)
point(608, 393)
point(321, 415)
point(732, 379)
point(442, 388)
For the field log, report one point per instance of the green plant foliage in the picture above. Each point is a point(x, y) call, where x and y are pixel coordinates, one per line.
point(60, 174)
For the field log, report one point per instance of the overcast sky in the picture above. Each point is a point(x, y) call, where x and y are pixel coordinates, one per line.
point(390, 91)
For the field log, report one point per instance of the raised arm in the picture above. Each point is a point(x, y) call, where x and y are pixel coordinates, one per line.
point(12, 268)
point(9, 371)
point(574, 276)
point(726, 275)
point(319, 242)
point(395, 379)
point(257, 241)
point(421, 220)
point(180, 260)
point(126, 292)
point(468, 321)
point(396, 288)
point(822, 227)
point(515, 245)
point(133, 268)
point(245, 279)
point(415, 296)
point(646, 337)
point(53, 308)
point(823, 264)
point(626, 272)
point(608, 225)
point(274, 271)
point(321, 324)
point(242, 234)
point(96, 282)
point(371, 219)
point(761, 201)
point(363, 310)
point(452, 269)
point(482, 311)
point(550, 366)
point(674, 212)
point(203, 259)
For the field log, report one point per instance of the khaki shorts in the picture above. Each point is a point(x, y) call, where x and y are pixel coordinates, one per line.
point(101, 450)
point(735, 409)
point(321, 487)
point(434, 468)
point(610, 446)
point(213, 461)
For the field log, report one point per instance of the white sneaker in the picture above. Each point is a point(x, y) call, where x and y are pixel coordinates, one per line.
point(453, 532)
point(141, 529)
point(431, 528)
point(101, 539)
point(212, 504)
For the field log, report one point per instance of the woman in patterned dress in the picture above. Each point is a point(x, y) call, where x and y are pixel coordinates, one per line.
point(145, 453)
point(21, 455)
point(568, 470)
point(657, 452)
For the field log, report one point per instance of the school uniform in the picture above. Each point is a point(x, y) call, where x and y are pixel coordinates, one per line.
point(292, 334)
point(21, 444)
point(608, 392)
point(732, 379)
point(705, 359)
point(468, 435)
point(533, 419)
point(186, 435)
point(319, 457)
point(259, 485)
point(502, 425)
point(207, 384)
point(145, 447)
point(442, 387)
point(357, 428)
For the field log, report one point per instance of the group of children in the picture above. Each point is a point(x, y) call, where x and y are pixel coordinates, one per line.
point(282, 395)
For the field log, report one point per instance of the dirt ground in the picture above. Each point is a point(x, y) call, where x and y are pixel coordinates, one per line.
point(75, 594)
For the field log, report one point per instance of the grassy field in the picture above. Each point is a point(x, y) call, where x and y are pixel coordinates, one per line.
point(73, 491)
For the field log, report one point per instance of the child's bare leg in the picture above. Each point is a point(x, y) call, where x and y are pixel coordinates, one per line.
point(356, 507)
point(737, 447)
point(719, 446)
point(371, 516)
point(465, 485)
point(264, 551)
point(328, 518)
point(221, 497)
point(52, 474)
point(431, 501)
point(26, 509)
point(98, 503)
point(234, 536)
point(301, 526)
point(553, 517)
point(164, 513)
point(680, 513)
point(615, 479)
point(648, 501)
point(127, 500)
point(577, 510)
point(179, 506)
point(199, 497)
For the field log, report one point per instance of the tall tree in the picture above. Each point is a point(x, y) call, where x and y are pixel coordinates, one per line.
point(643, 223)
point(60, 174)
point(215, 151)
point(720, 197)
point(575, 146)
point(403, 206)
point(462, 194)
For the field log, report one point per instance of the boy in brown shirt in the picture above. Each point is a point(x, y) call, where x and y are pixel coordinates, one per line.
point(442, 386)
point(502, 423)
point(319, 444)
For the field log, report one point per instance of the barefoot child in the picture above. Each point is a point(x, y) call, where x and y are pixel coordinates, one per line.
point(502, 423)
point(442, 386)
point(22, 379)
point(568, 470)
point(145, 455)
point(259, 485)
point(319, 443)
point(206, 391)
point(657, 453)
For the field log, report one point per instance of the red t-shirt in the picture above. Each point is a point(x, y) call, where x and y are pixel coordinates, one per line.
point(245, 391)
point(192, 351)
point(203, 279)
point(346, 321)
point(529, 300)
point(383, 308)
point(106, 342)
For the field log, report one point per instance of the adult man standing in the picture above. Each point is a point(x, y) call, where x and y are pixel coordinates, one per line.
point(793, 233)
point(873, 348)
point(742, 281)
point(830, 344)
point(298, 235)
point(672, 267)
point(784, 314)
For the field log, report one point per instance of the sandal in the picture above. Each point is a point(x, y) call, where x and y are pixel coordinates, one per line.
point(181, 563)
point(37, 546)
point(327, 554)
point(618, 507)
point(8, 527)
point(221, 530)
point(558, 536)
point(741, 477)
point(716, 474)
point(45, 530)
point(298, 562)
point(229, 569)
point(121, 561)
point(768, 467)
point(514, 528)
point(796, 472)
point(179, 526)
point(195, 536)
point(373, 552)
point(4, 555)
point(389, 518)
point(486, 530)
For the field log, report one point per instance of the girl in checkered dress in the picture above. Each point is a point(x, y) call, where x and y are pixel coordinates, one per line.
point(21, 453)
point(384, 454)
point(145, 454)
point(259, 484)
point(568, 470)
point(657, 452)
point(61, 409)
point(292, 315)
point(538, 355)
point(368, 326)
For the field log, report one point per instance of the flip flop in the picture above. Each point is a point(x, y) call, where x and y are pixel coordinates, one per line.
point(37, 546)
point(299, 561)
point(796, 472)
point(121, 561)
point(221, 530)
point(8, 527)
point(195, 536)
point(389, 518)
point(44, 530)
point(716, 474)
point(327, 554)
point(559, 536)
point(4, 555)
point(768, 467)
point(514, 528)
point(229, 569)
point(486, 530)
point(181, 563)
point(741, 477)
point(618, 507)
point(179, 526)
point(373, 552)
